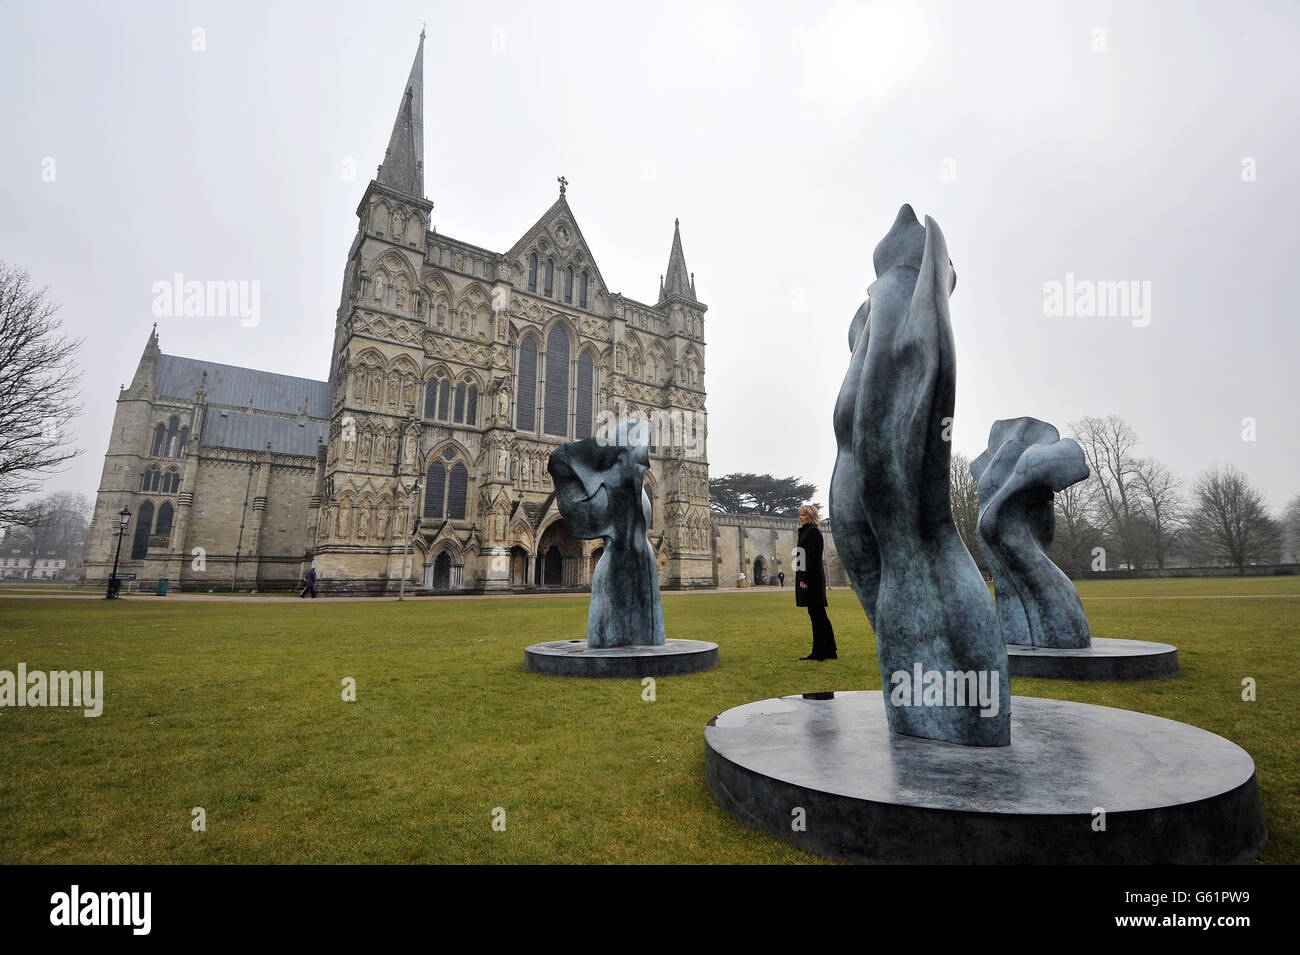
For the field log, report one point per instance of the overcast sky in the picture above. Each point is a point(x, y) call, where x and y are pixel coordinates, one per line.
point(1138, 142)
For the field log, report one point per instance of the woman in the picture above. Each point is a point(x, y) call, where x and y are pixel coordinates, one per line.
point(810, 583)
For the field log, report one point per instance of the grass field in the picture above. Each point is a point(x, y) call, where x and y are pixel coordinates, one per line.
point(237, 707)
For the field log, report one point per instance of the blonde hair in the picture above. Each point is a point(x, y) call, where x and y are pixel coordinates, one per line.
point(809, 511)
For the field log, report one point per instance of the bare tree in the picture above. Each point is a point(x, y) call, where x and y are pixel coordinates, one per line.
point(1160, 505)
point(1108, 444)
point(1229, 523)
point(965, 498)
point(1076, 535)
point(57, 525)
point(38, 392)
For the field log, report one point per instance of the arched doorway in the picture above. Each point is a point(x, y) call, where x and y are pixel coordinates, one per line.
point(553, 567)
point(518, 567)
point(558, 558)
point(442, 571)
point(760, 571)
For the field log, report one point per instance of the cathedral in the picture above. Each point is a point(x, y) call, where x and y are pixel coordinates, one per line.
point(454, 372)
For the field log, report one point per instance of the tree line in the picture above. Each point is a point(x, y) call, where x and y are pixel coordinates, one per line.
point(1133, 513)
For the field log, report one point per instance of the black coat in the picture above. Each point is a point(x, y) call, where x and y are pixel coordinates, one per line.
point(814, 572)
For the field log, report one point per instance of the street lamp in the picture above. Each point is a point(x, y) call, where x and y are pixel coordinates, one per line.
point(411, 493)
point(123, 519)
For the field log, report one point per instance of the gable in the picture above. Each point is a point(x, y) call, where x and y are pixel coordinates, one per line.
point(556, 235)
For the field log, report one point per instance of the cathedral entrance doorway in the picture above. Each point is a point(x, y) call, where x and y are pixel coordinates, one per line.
point(442, 571)
point(518, 567)
point(558, 557)
point(760, 571)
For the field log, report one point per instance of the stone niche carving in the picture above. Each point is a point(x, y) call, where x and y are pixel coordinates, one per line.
point(935, 622)
point(1025, 463)
point(599, 490)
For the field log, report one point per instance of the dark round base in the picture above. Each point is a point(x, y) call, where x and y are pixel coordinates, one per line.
point(575, 658)
point(1104, 660)
point(1171, 793)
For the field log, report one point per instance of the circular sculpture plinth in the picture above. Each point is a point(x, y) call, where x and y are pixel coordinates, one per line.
point(1104, 660)
point(575, 658)
point(1171, 793)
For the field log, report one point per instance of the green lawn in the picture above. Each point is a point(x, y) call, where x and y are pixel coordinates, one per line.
point(236, 707)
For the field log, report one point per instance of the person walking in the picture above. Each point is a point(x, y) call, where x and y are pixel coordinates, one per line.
point(309, 583)
point(780, 576)
point(810, 584)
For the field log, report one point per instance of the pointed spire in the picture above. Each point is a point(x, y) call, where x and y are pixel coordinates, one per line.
point(677, 280)
point(403, 166)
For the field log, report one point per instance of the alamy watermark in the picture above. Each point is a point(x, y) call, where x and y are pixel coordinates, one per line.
point(70, 688)
point(924, 687)
point(1085, 298)
point(179, 298)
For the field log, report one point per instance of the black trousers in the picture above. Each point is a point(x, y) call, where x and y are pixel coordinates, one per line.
point(823, 634)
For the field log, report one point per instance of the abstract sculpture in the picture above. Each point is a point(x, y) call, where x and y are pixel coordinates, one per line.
point(1026, 462)
point(598, 488)
point(939, 645)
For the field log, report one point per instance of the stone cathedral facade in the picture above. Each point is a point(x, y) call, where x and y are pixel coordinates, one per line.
point(454, 372)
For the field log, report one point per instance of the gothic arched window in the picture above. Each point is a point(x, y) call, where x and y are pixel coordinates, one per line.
point(457, 491)
point(444, 399)
point(459, 412)
point(568, 284)
point(435, 489)
point(586, 397)
point(526, 386)
point(582, 289)
point(172, 427)
point(149, 480)
point(164, 525)
point(431, 398)
point(532, 272)
point(550, 278)
point(181, 442)
point(159, 440)
point(471, 407)
point(143, 525)
point(446, 491)
point(556, 402)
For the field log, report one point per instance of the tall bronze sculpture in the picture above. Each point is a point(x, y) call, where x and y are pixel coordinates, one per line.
point(935, 622)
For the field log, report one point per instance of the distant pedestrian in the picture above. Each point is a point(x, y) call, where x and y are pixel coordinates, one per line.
point(309, 583)
point(780, 577)
point(810, 584)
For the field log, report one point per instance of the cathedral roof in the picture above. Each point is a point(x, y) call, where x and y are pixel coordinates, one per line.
point(177, 377)
point(403, 165)
point(253, 432)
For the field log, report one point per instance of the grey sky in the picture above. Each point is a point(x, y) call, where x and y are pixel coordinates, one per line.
point(784, 139)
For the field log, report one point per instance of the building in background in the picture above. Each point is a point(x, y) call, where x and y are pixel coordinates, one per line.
point(453, 367)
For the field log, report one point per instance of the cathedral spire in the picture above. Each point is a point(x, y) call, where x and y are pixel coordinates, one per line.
point(677, 281)
point(403, 166)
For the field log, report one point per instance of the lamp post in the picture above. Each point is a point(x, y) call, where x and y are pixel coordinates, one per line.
point(123, 519)
point(411, 493)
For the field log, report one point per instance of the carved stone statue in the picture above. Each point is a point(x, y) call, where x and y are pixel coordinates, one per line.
point(1026, 461)
point(503, 403)
point(935, 622)
point(380, 288)
point(598, 488)
point(381, 523)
